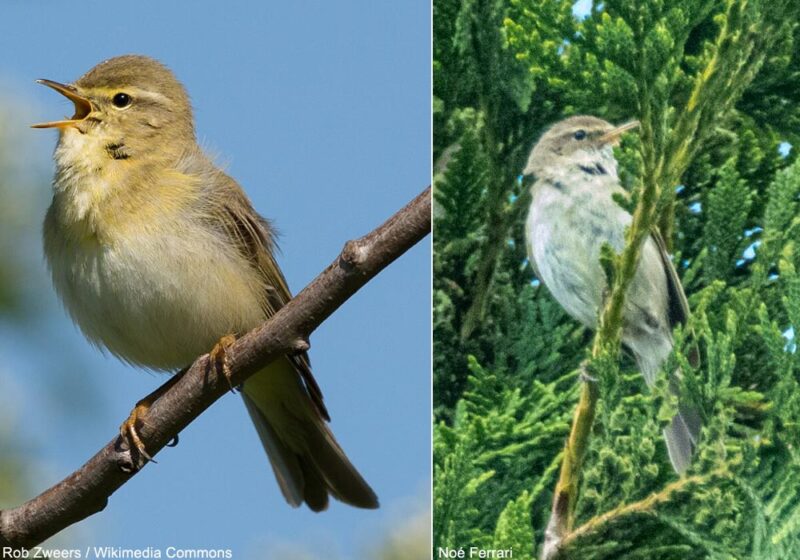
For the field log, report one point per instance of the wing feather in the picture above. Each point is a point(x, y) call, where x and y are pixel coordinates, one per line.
point(254, 237)
point(678, 306)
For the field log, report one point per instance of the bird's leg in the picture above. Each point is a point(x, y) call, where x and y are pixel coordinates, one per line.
point(129, 431)
point(218, 358)
point(584, 375)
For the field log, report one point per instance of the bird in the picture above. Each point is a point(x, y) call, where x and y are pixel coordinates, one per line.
point(572, 215)
point(158, 255)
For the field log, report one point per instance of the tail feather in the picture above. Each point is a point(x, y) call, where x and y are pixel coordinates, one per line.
point(683, 431)
point(337, 473)
point(308, 462)
point(285, 464)
point(316, 491)
point(681, 435)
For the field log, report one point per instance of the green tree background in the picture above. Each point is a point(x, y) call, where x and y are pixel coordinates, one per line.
point(24, 314)
point(715, 84)
point(16, 196)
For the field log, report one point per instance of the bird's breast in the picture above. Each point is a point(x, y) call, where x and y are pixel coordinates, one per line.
point(97, 196)
point(156, 292)
point(84, 181)
point(567, 225)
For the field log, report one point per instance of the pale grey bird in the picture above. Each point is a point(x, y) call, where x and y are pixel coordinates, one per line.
point(572, 215)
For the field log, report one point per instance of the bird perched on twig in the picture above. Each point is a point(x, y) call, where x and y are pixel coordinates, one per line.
point(572, 215)
point(157, 255)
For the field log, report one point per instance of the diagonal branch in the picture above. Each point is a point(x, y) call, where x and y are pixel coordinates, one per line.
point(86, 491)
point(605, 348)
point(647, 506)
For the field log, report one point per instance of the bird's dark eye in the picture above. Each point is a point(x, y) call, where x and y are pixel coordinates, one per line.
point(121, 100)
point(580, 134)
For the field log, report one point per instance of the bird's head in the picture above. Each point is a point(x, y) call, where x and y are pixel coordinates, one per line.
point(578, 141)
point(127, 107)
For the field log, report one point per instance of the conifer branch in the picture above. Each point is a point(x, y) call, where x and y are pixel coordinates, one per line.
point(606, 348)
point(739, 52)
point(740, 49)
point(648, 505)
point(698, 68)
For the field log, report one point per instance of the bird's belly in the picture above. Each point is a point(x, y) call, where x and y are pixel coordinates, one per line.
point(566, 234)
point(157, 300)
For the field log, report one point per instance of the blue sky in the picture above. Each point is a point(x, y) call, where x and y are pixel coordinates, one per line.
point(582, 8)
point(321, 110)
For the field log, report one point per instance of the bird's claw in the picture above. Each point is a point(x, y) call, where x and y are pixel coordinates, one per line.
point(130, 433)
point(219, 358)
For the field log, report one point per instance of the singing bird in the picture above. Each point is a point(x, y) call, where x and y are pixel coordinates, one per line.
point(157, 255)
point(572, 214)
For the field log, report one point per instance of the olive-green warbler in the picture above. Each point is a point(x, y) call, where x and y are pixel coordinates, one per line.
point(572, 215)
point(157, 255)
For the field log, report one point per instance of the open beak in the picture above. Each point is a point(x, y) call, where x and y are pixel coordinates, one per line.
point(612, 136)
point(82, 105)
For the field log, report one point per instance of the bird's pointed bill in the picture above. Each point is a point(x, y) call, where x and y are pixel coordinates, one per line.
point(614, 134)
point(82, 105)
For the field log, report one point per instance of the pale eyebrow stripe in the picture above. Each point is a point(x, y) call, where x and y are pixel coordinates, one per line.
point(150, 95)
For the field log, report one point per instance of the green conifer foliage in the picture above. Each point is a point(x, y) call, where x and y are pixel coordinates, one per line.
point(715, 86)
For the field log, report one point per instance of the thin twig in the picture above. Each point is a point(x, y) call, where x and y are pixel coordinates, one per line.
point(648, 505)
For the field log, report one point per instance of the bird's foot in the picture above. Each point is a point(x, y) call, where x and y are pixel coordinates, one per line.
point(584, 375)
point(219, 358)
point(129, 430)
